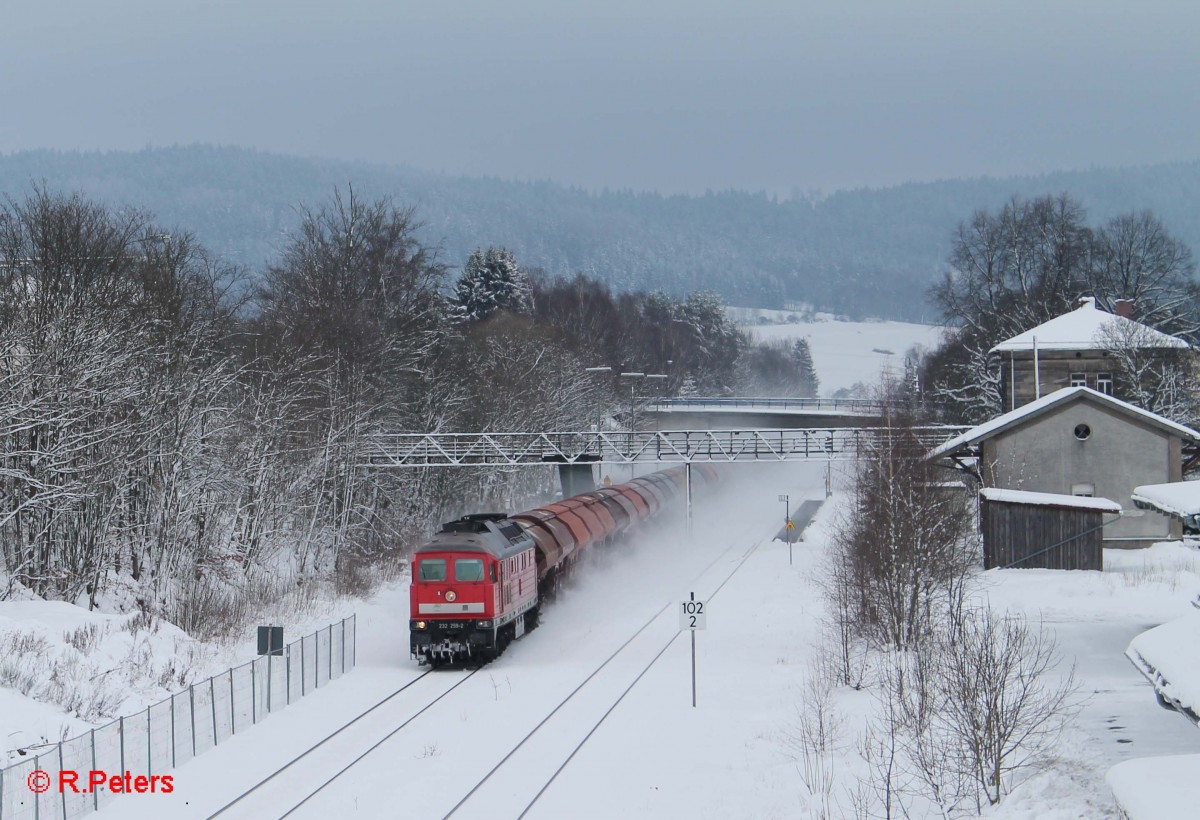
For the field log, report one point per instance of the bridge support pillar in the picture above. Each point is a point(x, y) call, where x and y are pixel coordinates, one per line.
point(575, 476)
point(576, 479)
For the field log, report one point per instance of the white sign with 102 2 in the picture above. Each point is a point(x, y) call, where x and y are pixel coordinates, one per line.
point(693, 615)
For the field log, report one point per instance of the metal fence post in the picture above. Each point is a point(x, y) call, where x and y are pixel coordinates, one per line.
point(253, 695)
point(121, 732)
point(192, 711)
point(149, 745)
point(343, 646)
point(329, 670)
point(62, 793)
point(95, 792)
point(287, 680)
point(172, 731)
point(37, 804)
point(354, 646)
point(268, 682)
point(212, 699)
point(232, 711)
point(302, 670)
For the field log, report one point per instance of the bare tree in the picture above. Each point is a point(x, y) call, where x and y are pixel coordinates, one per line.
point(813, 741)
point(906, 546)
point(1134, 258)
point(358, 299)
point(999, 700)
point(1151, 374)
point(1012, 270)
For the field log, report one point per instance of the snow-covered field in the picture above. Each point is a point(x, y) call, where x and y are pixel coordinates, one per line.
point(846, 353)
point(654, 756)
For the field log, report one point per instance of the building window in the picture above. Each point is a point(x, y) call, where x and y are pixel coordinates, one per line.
point(1079, 380)
point(1086, 490)
point(1104, 383)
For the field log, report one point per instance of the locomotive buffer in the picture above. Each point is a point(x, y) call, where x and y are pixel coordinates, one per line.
point(693, 615)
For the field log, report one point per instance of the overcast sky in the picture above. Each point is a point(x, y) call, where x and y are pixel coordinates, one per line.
point(673, 95)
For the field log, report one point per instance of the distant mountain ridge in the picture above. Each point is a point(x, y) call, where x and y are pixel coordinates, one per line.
point(866, 252)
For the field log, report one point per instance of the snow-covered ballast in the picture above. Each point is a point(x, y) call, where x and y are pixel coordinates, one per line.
point(1028, 530)
point(1178, 499)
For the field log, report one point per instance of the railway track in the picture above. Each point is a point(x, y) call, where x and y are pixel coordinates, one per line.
point(583, 710)
point(324, 761)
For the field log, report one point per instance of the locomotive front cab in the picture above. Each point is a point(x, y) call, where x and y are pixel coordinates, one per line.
point(474, 590)
point(452, 611)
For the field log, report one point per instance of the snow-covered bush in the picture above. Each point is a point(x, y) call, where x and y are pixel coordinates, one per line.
point(91, 670)
point(966, 713)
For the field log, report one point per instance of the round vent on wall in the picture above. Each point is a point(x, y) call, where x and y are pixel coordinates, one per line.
point(1083, 432)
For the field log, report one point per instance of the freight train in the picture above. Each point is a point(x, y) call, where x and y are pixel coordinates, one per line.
point(481, 581)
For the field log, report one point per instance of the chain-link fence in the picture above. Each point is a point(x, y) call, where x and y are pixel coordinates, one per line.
point(57, 782)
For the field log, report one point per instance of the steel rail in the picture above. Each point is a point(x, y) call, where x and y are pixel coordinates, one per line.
point(569, 697)
point(321, 743)
point(629, 688)
point(758, 543)
point(379, 743)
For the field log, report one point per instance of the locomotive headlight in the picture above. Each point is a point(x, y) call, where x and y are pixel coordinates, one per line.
point(451, 595)
point(418, 624)
point(484, 624)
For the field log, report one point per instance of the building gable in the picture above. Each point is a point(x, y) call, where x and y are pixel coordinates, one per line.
point(1061, 398)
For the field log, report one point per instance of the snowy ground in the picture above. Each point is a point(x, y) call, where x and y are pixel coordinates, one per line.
point(64, 669)
point(655, 756)
point(847, 353)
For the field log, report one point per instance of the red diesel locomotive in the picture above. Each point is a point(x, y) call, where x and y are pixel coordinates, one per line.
point(480, 582)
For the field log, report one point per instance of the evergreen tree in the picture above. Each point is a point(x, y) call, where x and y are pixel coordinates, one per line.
point(492, 280)
point(804, 367)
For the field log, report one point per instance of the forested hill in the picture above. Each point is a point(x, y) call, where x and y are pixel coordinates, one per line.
point(867, 252)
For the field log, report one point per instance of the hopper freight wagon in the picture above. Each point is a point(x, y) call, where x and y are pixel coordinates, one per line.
point(481, 581)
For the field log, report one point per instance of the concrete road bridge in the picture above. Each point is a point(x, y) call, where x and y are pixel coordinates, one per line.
point(705, 413)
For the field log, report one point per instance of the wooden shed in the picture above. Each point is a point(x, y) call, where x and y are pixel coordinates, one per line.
point(1043, 530)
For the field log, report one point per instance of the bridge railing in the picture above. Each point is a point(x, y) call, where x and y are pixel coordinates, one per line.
point(865, 407)
point(477, 449)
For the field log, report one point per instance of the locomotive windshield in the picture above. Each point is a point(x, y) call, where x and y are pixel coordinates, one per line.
point(431, 569)
point(468, 569)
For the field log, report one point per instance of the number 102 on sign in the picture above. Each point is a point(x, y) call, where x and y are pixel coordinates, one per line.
point(693, 615)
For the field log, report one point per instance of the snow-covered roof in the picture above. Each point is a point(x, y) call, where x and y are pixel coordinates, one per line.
point(1051, 400)
point(1074, 502)
point(1087, 328)
point(1180, 498)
